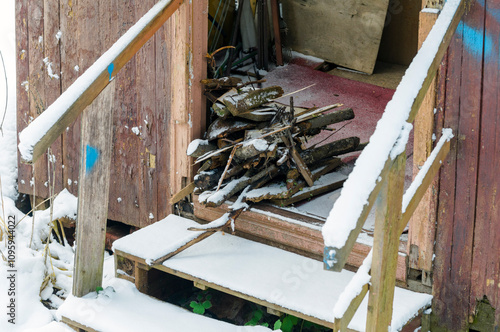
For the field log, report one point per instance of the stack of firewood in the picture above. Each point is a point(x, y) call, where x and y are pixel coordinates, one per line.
point(257, 146)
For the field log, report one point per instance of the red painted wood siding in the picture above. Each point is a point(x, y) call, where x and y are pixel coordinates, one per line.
point(467, 264)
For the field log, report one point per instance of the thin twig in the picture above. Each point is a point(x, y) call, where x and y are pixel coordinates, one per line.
point(294, 92)
point(335, 132)
point(33, 209)
point(229, 160)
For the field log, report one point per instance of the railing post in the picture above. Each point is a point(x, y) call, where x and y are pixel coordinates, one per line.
point(93, 192)
point(385, 247)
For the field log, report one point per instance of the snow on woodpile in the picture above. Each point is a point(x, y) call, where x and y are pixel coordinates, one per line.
point(32, 134)
point(347, 209)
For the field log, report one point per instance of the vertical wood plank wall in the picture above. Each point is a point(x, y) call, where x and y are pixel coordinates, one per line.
point(165, 112)
point(467, 264)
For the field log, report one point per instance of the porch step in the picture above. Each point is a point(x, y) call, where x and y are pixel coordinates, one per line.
point(123, 308)
point(269, 276)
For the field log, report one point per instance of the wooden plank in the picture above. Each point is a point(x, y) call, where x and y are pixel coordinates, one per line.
point(79, 102)
point(141, 278)
point(467, 162)
point(431, 72)
point(77, 326)
point(423, 187)
point(338, 32)
point(22, 88)
point(385, 248)
point(270, 225)
point(277, 33)
point(37, 74)
point(146, 159)
point(443, 290)
point(125, 198)
point(485, 272)
point(52, 86)
point(187, 117)
point(162, 119)
point(399, 42)
point(93, 192)
point(343, 323)
point(72, 66)
point(422, 226)
point(243, 296)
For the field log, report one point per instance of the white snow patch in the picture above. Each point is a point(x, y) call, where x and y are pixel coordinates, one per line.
point(193, 146)
point(354, 287)
point(58, 35)
point(151, 215)
point(50, 72)
point(162, 237)
point(121, 307)
point(136, 130)
point(119, 199)
point(76, 68)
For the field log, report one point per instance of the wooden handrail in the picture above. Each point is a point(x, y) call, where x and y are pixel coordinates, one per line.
point(411, 198)
point(37, 137)
point(399, 111)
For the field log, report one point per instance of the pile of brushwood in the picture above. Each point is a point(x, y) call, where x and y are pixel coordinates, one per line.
point(257, 146)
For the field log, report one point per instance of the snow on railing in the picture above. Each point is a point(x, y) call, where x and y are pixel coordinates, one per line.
point(344, 216)
point(410, 192)
point(37, 137)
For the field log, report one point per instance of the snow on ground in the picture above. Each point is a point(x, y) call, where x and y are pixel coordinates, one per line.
point(8, 161)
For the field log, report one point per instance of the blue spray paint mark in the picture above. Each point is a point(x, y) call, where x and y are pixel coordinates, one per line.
point(110, 70)
point(92, 154)
point(476, 42)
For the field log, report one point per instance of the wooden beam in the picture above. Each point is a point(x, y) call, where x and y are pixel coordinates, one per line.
point(432, 69)
point(342, 323)
point(244, 296)
point(423, 224)
point(93, 192)
point(40, 134)
point(336, 258)
point(422, 188)
point(385, 248)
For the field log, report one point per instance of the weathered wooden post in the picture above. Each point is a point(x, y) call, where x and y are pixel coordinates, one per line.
point(93, 190)
point(385, 247)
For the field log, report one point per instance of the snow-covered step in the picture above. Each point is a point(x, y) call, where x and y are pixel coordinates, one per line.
point(121, 307)
point(272, 277)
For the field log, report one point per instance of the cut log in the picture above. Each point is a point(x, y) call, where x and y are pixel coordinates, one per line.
point(251, 149)
point(259, 115)
point(243, 103)
point(199, 147)
point(324, 184)
point(221, 83)
point(208, 179)
point(325, 120)
point(235, 186)
point(223, 127)
point(280, 190)
point(331, 149)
